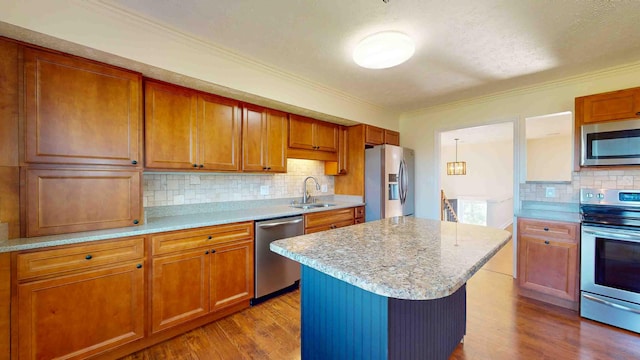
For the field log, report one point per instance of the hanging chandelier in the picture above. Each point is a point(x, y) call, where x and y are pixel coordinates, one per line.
point(457, 167)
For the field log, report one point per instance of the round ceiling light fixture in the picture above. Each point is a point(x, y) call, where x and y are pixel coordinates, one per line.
point(384, 50)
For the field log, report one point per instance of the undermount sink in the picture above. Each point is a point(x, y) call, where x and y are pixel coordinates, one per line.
point(311, 205)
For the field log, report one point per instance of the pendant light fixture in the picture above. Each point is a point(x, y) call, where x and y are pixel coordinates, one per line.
point(457, 167)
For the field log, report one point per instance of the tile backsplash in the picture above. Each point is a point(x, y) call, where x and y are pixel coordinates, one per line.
point(570, 192)
point(162, 189)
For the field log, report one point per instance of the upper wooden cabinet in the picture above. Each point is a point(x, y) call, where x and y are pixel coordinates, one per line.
point(373, 135)
point(79, 111)
point(62, 201)
point(187, 130)
point(340, 167)
point(378, 136)
point(548, 261)
point(264, 139)
point(610, 106)
point(309, 134)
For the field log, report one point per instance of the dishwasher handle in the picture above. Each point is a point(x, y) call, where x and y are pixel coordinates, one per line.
point(267, 226)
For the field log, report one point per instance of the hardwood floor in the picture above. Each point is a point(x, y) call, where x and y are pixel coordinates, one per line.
point(500, 325)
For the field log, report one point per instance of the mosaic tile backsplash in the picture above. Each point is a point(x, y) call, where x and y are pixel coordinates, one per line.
point(193, 188)
point(570, 192)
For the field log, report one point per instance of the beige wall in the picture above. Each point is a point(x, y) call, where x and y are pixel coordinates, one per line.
point(489, 171)
point(550, 158)
point(419, 129)
point(99, 26)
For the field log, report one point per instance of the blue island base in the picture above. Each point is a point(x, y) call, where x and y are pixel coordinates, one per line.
point(342, 321)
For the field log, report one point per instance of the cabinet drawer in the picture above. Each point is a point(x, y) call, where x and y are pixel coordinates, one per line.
point(47, 262)
point(328, 217)
point(329, 227)
point(358, 220)
point(190, 239)
point(359, 212)
point(546, 228)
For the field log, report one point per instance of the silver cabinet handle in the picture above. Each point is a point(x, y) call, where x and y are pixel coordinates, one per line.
point(266, 226)
point(608, 303)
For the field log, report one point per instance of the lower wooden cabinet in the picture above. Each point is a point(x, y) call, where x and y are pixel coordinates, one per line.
point(327, 220)
point(73, 314)
point(214, 274)
point(359, 215)
point(548, 254)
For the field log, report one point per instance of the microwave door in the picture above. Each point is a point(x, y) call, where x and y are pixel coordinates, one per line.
point(615, 143)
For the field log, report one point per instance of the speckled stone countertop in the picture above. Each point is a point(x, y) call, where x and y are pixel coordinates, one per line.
point(402, 257)
point(167, 223)
point(568, 212)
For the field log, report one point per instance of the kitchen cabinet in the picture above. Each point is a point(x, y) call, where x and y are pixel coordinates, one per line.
point(327, 220)
point(391, 137)
point(200, 271)
point(312, 139)
point(610, 106)
point(353, 182)
point(548, 261)
point(79, 111)
point(359, 215)
point(189, 130)
point(340, 167)
point(69, 307)
point(264, 139)
point(63, 200)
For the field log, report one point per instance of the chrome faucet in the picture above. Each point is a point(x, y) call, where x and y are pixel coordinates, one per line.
point(305, 194)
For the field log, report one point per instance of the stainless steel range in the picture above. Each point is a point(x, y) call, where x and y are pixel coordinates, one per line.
point(610, 257)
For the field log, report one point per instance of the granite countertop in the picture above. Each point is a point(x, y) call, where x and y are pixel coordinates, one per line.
point(401, 257)
point(167, 223)
point(568, 212)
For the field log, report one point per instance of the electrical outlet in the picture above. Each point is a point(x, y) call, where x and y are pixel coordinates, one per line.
point(264, 190)
point(550, 192)
point(324, 188)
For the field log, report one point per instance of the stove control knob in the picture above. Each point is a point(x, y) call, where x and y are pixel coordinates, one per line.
point(589, 195)
point(600, 196)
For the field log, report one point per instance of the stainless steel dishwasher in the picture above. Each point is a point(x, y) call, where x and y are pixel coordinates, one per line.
point(275, 273)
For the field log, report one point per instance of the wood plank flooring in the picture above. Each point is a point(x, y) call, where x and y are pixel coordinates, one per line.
point(500, 325)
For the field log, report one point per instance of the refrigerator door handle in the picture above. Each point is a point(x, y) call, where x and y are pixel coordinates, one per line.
point(405, 181)
point(401, 182)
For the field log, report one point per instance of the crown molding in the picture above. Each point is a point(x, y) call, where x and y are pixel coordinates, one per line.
point(193, 41)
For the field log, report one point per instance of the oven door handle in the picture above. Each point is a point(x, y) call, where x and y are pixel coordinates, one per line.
point(608, 303)
point(619, 234)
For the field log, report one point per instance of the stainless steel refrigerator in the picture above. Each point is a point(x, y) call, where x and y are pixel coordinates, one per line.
point(389, 182)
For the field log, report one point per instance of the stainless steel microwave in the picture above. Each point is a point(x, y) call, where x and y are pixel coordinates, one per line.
point(611, 143)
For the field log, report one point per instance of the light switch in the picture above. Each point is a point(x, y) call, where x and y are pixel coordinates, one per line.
point(550, 192)
point(264, 190)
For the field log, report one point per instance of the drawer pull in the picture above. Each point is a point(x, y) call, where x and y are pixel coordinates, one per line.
point(210, 237)
point(136, 221)
point(88, 257)
point(195, 165)
point(213, 251)
point(206, 252)
point(546, 242)
point(546, 229)
point(139, 266)
point(201, 166)
point(134, 162)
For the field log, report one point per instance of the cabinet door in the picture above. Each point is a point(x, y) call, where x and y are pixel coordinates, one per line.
point(253, 138)
point(219, 132)
point(548, 266)
point(80, 112)
point(179, 288)
point(231, 274)
point(276, 141)
point(64, 201)
point(170, 127)
point(391, 137)
point(301, 133)
point(373, 135)
point(75, 316)
point(611, 106)
point(326, 136)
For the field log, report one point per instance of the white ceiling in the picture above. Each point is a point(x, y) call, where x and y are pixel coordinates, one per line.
point(478, 134)
point(464, 48)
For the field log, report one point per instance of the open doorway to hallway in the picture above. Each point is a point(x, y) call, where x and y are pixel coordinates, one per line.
point(484, 194)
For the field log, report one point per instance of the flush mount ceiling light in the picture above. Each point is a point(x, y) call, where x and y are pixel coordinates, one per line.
point(383, 50)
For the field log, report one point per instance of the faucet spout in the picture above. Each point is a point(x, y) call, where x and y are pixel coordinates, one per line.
point(305, 194)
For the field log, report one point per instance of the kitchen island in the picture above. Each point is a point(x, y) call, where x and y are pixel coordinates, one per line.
point(388, 289)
